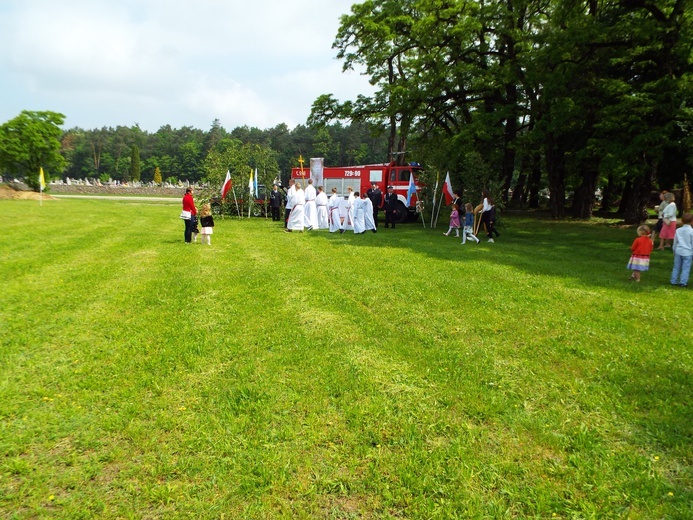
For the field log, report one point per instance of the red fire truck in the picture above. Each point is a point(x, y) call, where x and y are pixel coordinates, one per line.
point(359, 178)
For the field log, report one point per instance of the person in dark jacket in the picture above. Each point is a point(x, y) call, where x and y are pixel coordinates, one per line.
point(207, 223)
point(275, 203)
point(390, 207)
point(457, 200)
point(376, 197)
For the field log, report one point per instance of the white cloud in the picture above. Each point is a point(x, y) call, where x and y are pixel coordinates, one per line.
point(177, 62)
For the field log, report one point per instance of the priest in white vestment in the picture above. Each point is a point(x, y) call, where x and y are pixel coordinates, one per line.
point(310, 211)
point(333, 212)
point(297, 215)
point(321, 205)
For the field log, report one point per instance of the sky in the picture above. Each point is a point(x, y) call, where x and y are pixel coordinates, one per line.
point(101, 63)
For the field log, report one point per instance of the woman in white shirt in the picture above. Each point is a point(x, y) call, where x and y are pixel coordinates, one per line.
point(666, 235)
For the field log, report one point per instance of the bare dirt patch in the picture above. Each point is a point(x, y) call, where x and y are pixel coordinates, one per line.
point(7, 193)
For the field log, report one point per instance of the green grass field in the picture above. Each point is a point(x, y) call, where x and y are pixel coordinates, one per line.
point(390, 375)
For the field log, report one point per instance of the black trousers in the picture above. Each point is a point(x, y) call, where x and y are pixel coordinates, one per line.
point(189, 226)
point(287, 212)
point(489, 225)
point(275, 214)
point(390, 218)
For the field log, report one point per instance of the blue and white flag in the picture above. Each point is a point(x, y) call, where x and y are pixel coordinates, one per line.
point(412, 188)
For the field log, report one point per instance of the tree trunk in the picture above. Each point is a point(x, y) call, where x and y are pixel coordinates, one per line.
point(534, 181)
point(508, 163)
point(555, 166)
point(625, 196)
point(519, 195)
point(583, 201)
point(636, 209)
point(608, 193)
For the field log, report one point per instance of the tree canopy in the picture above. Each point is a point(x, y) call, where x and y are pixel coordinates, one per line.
point(29, 142)
point(566, 94)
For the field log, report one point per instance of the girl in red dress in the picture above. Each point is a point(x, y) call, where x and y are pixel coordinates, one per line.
point(640, 257)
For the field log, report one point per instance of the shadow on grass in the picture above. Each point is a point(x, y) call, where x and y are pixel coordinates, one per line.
point(593, 253)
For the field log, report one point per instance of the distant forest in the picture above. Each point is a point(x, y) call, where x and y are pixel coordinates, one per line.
point(183, 154)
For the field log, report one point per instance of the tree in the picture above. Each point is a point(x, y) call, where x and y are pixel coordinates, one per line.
point(135, 163)
point(29, 142)
point(157, 175)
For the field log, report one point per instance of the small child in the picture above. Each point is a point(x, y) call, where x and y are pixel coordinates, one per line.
point(468, 231)
point(195, 229)
point(454, 221)
point(207, 223)
point(683, 252)
point(641, 249)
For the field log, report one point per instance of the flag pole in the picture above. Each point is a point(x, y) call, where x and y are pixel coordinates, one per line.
point(420, 211)
point(433, 206)
point(42, 182)
point(236, 201)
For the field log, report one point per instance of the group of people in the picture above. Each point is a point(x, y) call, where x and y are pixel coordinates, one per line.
point(311, 209)
point(190, 218)
point(680, 240)
point(486, 209)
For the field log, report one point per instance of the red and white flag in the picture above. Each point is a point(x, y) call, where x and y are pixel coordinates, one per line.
point(447, 189)
point(227, 185)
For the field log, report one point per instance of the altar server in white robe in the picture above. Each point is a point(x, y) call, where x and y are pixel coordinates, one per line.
point(359, 218)
point(321, 205)
point(289, 201)
point(310, 211)
point(368, 213)
point(297, 215)
point(349, 218)
point(333, 212)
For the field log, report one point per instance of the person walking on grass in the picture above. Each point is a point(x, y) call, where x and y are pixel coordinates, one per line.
point(321, 205)
point(468, 231)
point(368, 213)
point(640, 257)
point(297, 215)
point(333, 212)
point(454, 221)
point(207, 223)
point(488, 215)
point(376, 198)
point(357, 210)
point(683, 252)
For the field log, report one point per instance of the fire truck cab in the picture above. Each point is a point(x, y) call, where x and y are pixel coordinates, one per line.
point(359, 178)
